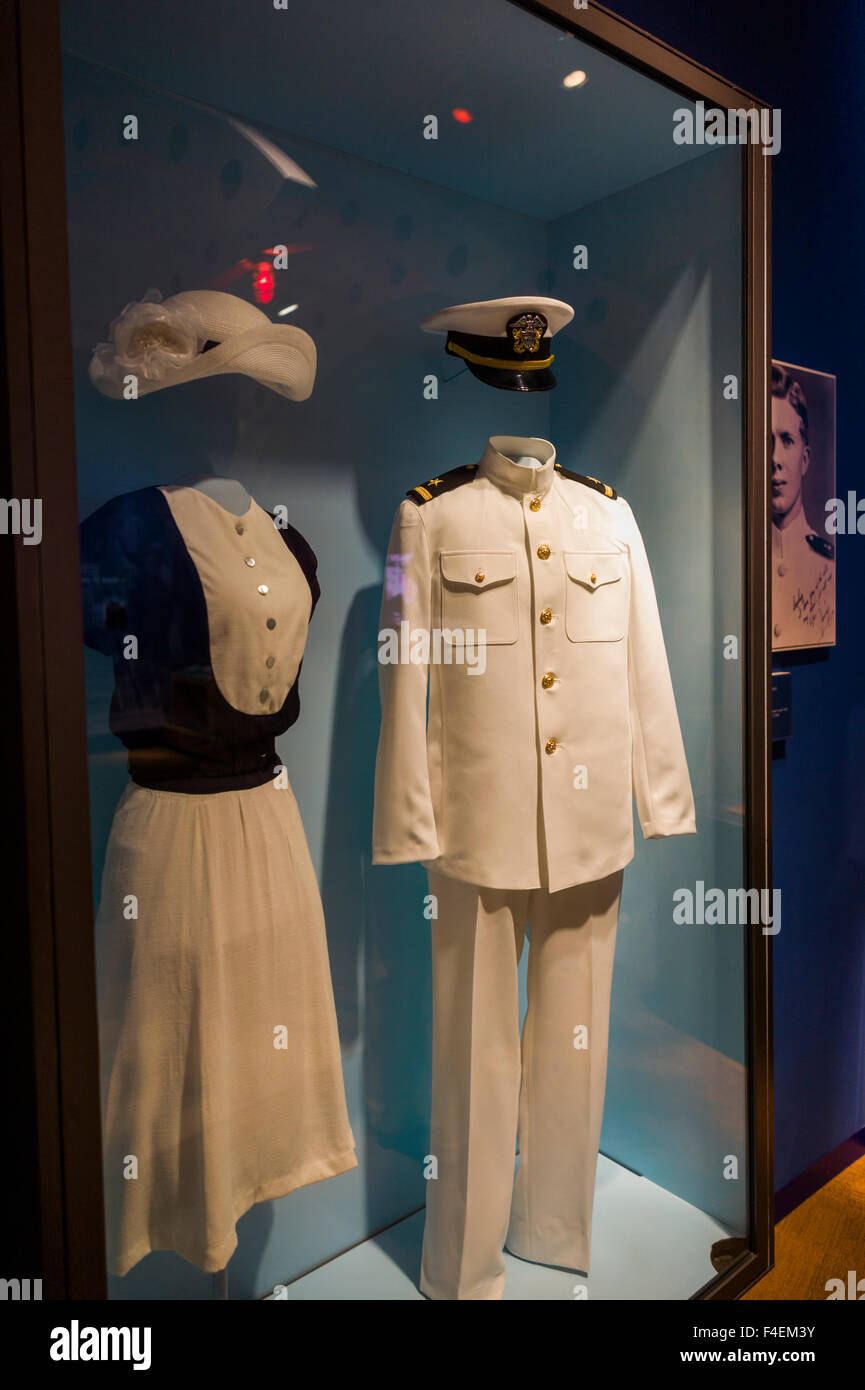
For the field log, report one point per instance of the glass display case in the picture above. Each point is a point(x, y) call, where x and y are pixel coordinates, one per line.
point(275, 948)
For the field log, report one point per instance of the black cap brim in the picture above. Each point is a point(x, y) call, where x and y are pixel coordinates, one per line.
point(506, 380)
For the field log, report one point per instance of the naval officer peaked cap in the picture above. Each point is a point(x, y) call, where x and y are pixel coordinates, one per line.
point(505, 342)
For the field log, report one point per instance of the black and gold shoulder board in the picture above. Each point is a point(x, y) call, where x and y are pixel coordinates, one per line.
point(589, 482)
point(434, 487)
point(821, 545)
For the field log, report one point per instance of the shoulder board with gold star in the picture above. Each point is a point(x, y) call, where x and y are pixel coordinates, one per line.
point(589, 482)
point(434, 487)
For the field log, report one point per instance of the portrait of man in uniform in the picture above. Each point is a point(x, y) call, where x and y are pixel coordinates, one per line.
point(803, 480)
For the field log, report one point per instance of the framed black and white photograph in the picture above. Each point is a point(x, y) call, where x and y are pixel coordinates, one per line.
point(803, 482)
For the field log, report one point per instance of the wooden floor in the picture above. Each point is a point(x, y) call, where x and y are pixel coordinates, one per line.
point(823, 1239)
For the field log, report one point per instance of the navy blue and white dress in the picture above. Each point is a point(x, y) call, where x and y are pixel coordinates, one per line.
point(221, 1069)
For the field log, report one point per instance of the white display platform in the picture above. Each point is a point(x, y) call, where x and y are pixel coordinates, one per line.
point(647, 1244)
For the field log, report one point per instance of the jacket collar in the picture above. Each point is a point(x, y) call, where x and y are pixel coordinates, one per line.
point(792, 534)
point(496, 464)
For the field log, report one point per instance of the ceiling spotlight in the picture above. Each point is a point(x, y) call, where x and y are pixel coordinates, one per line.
point(574, 79)
point(289, 309)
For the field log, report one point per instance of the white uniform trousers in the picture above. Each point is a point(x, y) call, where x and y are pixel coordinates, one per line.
point(491, 1088)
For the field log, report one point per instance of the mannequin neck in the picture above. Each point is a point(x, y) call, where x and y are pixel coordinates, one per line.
point(525, 460)
point(231, 495)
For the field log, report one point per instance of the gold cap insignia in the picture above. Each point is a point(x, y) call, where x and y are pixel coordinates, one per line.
point(527, 330)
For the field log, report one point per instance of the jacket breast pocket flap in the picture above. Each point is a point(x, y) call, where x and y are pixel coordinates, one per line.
point(596, 604)
point(479, 592)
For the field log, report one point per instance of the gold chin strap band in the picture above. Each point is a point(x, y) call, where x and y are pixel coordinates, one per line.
point(508, 365)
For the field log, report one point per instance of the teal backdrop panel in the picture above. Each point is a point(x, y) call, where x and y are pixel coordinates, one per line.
point(653, 406)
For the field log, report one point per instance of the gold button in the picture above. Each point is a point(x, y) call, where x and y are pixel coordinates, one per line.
point(480, 577)
point(547, 679)
point(270, 660)
point(546, 616)
point(543, 552)
point(535, 504)
point(550, 746)
point(264, 588)
point(263, 695)
point(249, 561)
point(594, 578)
point(239, 527)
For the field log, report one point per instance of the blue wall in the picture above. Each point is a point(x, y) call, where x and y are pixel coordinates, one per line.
point(808, 60)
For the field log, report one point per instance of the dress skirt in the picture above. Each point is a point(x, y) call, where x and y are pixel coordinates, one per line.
point(221, 1071)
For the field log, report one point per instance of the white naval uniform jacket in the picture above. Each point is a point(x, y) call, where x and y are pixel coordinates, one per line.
point(523, 776)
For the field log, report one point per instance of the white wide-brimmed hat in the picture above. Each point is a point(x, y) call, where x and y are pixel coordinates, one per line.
point(200, 333)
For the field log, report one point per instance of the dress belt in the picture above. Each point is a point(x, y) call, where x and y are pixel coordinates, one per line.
point(165, 769)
